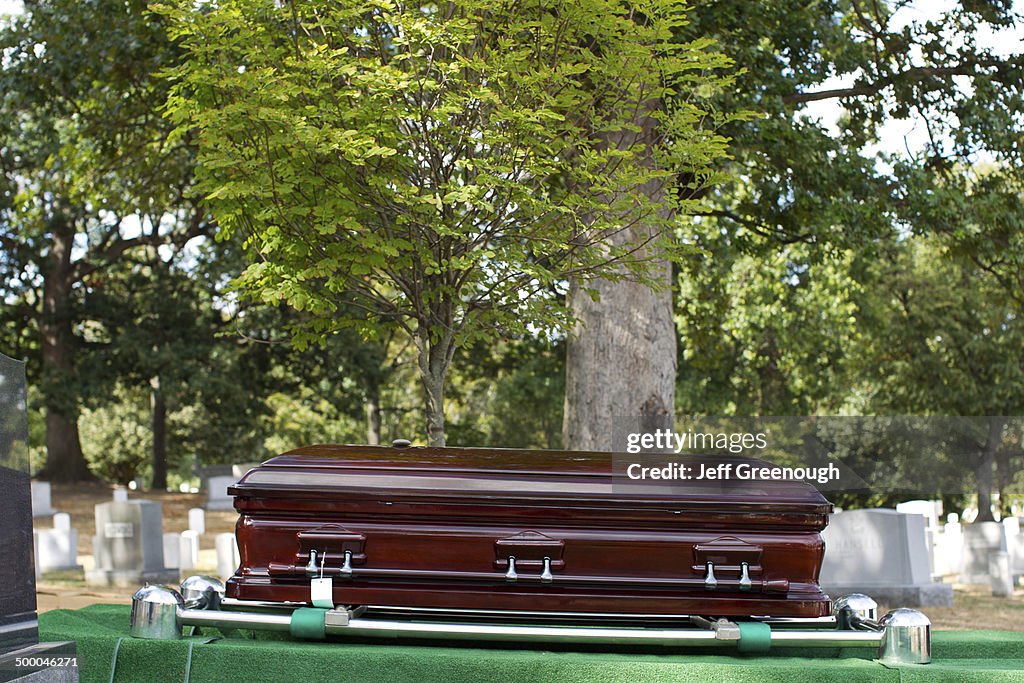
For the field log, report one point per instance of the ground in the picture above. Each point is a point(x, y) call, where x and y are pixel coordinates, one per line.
point(974, 607)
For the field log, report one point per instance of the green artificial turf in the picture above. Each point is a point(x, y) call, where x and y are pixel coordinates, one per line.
point(100, 629)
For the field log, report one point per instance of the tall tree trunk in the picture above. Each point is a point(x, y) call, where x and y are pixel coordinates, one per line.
point(373, 415)
point(158, 412)
point(434, 359)
point(621, 355)
point(64, 458)
point(620, 363)
point(433, 395)
point(983, 472)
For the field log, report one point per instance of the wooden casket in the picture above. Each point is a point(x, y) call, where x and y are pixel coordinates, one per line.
point(536, 531)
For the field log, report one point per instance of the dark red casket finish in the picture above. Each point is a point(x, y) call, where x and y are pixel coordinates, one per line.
point(434, 527)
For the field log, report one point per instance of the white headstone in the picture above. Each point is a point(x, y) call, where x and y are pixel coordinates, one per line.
point(188, 555)
point(57, 548)
point(882, 553)
point(128, 546)
point(172, 550)
point(949, 549)
point(227, 555)
point(41, 503)
point(120, 495)
point(1012, 525)
point(1014, 545)
point(62, 521)
point(999, 574)
point(981, 539)
point(930, 509)
point(197, 520)
point(217, 493)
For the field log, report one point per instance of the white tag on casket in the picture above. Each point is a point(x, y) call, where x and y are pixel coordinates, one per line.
point(322, 592)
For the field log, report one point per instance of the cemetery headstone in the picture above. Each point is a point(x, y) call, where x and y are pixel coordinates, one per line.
point(999, 574)
point(981, 539)
point(217, 493)
point(41, 500)
point(227, 555)
point(188, 553)
point(949, 547)
point(19, 630)
point(128, 546)
point(197, 520)
point(206, 472)
point(1014, 545)
point(930, 509)
point(172, 550)
point(57, 548)
point(17, 574)
point(884, 554)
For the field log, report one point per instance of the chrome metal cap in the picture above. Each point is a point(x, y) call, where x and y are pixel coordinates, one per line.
point(155, 613)
point(854, 608)
point(906, 638)
point(202, 592)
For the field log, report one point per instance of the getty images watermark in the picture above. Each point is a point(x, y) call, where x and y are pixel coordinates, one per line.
point(718, 443)
point(698, 455)
point(898, 455)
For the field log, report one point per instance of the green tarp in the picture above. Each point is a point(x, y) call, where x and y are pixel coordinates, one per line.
point(101, 630)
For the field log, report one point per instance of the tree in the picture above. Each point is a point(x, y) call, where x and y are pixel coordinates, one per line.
point(443, 169)
point(153, 328)
point(944, 342)
point(88, 174)
point(848, 208)
point(767, 334)
point(794, 178)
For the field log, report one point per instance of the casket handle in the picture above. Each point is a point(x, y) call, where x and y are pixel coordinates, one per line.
point(333, 540)
point(531, 550)
point(546, 576)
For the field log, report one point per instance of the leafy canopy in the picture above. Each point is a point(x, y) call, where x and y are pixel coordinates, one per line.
point(443, 167)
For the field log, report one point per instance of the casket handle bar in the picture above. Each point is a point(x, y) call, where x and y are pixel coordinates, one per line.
point(159, 613)
point(514, 574)
point(330, 539)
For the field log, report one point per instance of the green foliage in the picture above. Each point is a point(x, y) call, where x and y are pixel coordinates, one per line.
point(443, 168)
point(792, 178)
point(509, 395)
point(88, 176)
point(943, 338)
point(116, 438)
point(305, 419)
point(765, 335)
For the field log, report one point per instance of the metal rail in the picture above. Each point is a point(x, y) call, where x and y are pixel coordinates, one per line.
point(901, 637)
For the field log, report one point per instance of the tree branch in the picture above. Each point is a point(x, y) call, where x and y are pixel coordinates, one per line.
point(968, 68)
point(196, 227)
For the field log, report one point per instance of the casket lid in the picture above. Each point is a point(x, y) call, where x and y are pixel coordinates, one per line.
point(562, 477)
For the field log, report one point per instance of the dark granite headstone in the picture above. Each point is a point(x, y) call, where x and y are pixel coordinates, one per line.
point(18, 626)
